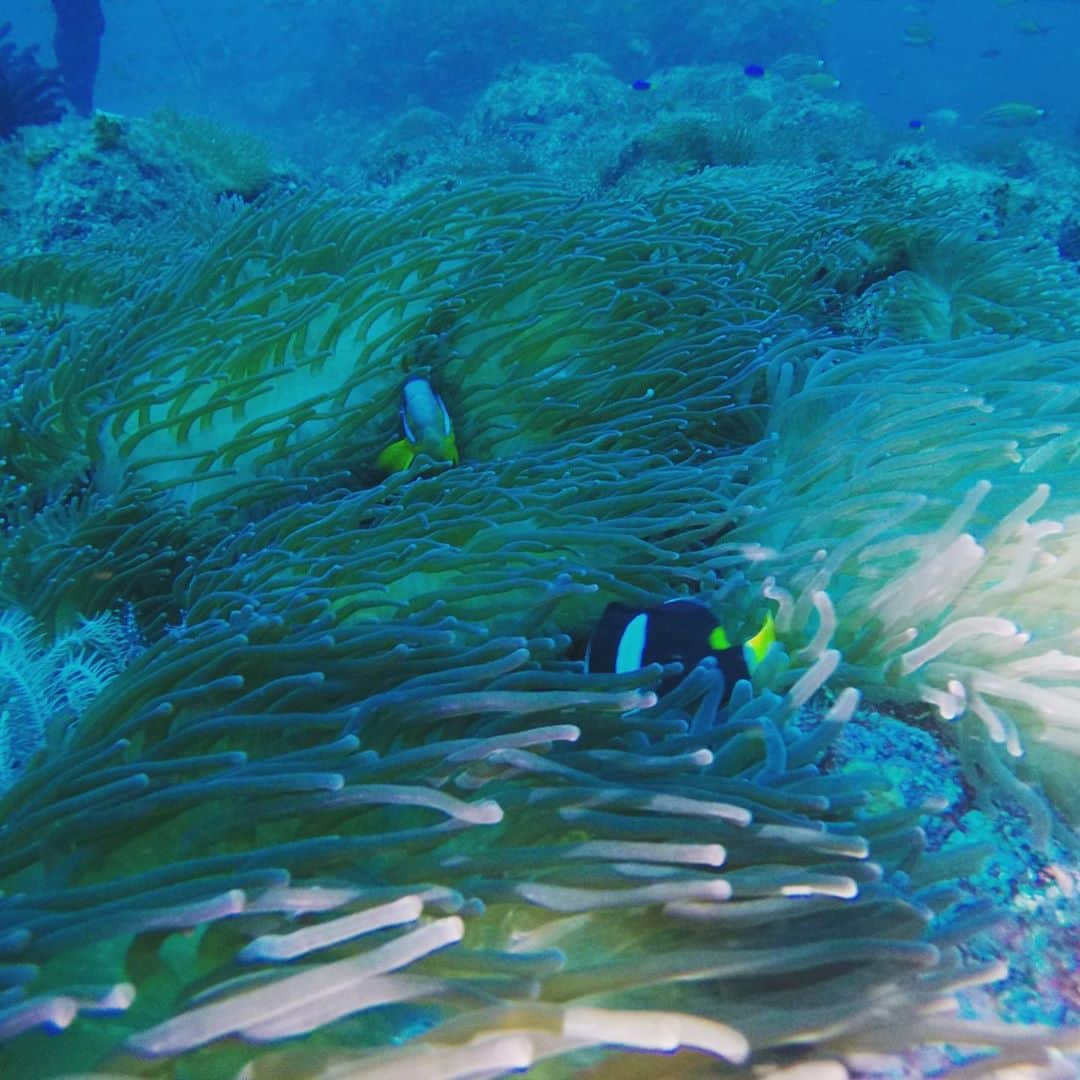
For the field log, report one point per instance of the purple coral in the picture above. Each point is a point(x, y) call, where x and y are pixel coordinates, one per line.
point(29, 93)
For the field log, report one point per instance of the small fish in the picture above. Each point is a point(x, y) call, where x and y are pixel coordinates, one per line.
point(990, 54)
point(753, 71)
point(1012, 114)
point(945, 117)
point(641, 84)
point(680, 630)
point(792, 65)
point(915, 125)
point(1032, 28)
point(820, 80)
point(426, 425)
point(918, 35)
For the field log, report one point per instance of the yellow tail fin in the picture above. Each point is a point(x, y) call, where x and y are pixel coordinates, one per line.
point(757, 646)
point(397, 457)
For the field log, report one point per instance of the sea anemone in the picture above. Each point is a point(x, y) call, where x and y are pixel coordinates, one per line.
point(942, 284)
point(929, 493)
point(453, 844)
point(357, 790)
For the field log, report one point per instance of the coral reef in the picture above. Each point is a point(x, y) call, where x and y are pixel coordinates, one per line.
point(411, 142)
point(159, 170)
point(445, 56)
point(226, 162)
point(47, 687)
point(578, 122)
point(29, 93)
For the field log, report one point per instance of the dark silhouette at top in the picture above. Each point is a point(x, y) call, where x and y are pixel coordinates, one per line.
point(79, 26)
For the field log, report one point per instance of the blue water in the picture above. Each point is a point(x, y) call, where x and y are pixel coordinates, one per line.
point(1038, 42)
point(274, 65)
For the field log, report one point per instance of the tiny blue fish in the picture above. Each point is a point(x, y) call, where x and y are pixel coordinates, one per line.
point(753, 71)
point(915, 125)
point(641, 84)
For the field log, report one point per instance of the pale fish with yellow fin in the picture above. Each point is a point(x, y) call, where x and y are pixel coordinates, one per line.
point(1012, 114)
point(822, 81)
point(1032, 28)
point(426, 427)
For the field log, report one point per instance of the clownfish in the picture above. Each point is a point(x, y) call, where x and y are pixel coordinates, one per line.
point(426, 425)
point(628, 639)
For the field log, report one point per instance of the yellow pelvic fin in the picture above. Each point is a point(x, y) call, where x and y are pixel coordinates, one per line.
point(397, 457)
point(757, 646)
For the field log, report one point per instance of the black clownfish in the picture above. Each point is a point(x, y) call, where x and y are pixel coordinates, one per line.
point(686, 631)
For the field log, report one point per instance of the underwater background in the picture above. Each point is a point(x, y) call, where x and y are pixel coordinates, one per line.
point(355, 358)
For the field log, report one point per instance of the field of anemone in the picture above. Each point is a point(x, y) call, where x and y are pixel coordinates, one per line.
point(305, 776)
